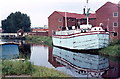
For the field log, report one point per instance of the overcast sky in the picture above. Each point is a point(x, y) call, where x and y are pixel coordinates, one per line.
point(39, 10)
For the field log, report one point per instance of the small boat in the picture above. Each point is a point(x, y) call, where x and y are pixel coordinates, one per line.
point(9, 50)
point(85, 38)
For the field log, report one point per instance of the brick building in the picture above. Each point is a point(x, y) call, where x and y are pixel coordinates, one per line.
point(57, 19)
point(108, 15)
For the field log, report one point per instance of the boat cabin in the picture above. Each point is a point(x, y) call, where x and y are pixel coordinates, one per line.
point(97, 29)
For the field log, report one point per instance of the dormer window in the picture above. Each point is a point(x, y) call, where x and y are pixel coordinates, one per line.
point(115, 14)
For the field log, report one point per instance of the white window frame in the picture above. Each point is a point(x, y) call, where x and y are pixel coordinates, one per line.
point(114, 13)
point(114, 23)
point(115, 36)
point(59, 20)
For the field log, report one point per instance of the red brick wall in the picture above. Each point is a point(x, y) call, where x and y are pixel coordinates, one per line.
point(105, 15)
point(92, 21)
point(119, 21)
point(71, 21)
point(53, 22)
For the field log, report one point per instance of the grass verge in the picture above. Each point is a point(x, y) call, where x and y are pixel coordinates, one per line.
point(112, 50)
point(46, 40)
point(15, 67)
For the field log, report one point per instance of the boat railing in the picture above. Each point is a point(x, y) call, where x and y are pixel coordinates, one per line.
point(67, 32)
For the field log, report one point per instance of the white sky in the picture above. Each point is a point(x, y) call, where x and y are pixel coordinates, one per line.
point(39, 10)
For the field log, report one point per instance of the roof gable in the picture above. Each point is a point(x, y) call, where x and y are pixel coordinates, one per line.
point(75, 15)
point(107, 3)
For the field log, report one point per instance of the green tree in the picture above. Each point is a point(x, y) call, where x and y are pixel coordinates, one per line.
point(16, 21)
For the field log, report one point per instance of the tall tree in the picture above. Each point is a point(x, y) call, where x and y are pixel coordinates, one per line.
point(16, 21)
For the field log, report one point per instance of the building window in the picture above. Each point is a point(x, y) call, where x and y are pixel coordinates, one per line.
point(115, 34)
point(115, 14)
point(115, 24)
point(69, 19)
point(73, 20)
point(59, 20)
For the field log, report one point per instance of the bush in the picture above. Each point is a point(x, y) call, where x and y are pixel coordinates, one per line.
point(111, 51)
point(115, 42)
point(15, 67)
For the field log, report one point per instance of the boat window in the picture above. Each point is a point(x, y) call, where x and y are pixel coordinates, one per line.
point(95, 29)
point(99, 28)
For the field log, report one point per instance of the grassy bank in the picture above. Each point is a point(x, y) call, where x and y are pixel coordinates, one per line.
point(26, 68)
point(112, 50)
point(46, 40)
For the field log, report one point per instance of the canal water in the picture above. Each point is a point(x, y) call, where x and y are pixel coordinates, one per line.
point(77, 64)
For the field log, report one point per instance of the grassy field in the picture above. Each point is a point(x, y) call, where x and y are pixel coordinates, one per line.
point(15, 67)
point(112, 50)
point(46, 40)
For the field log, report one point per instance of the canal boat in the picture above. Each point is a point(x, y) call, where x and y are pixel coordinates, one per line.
point(85, 38)
point(9, 50)
point(80, 39)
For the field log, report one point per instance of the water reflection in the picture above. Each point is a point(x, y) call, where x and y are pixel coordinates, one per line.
point(39, 55)
point(84, 65)
point(9, 51)
point(15, 51)
point(25, 50)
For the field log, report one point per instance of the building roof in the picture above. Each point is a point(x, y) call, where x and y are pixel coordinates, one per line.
point(75, 15)
point(109, 3)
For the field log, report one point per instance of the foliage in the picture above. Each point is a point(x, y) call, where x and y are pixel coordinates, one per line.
point(39, 40)
point(115, 42)
point(47, 72)
point(113, 49)
point(15, 67)
point(16, 21)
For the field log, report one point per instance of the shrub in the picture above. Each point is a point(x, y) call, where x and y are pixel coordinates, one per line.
point(114, 42)
point(15, 67)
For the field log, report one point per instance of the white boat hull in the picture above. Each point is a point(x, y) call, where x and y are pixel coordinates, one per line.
point(82, 42)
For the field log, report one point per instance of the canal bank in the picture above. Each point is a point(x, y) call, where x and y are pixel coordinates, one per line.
point(112, 50)
point(46, 40)
point(15, 68)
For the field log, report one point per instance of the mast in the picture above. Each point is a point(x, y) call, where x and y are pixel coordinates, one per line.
point(87, 12)
point(66, 21)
